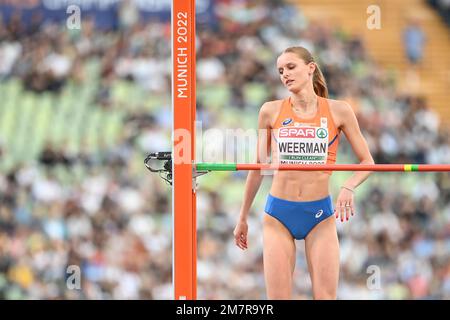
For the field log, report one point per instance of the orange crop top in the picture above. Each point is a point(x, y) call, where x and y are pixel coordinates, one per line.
point(305, 141)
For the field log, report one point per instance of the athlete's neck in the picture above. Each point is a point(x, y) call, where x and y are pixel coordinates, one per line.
point(304, 101)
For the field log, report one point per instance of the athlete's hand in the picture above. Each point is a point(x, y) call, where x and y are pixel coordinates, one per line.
point(240, 234)
point(344, 205)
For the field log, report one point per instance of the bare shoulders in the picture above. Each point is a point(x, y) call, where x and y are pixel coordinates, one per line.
point(271, 109)
point(339, 110)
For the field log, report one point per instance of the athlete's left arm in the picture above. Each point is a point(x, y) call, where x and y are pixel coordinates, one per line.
point(349, 125)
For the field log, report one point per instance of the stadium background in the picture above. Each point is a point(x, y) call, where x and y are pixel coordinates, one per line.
point(80, 109)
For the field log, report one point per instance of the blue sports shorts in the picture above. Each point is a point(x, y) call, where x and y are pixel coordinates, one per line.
point(299, 217)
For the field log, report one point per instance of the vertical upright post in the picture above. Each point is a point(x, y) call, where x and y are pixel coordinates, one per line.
point(193, 150)
point(183, 154)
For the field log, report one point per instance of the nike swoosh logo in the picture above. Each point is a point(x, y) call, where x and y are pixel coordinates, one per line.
point(319, 214)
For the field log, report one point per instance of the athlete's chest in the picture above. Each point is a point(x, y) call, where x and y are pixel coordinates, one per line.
point(302, 141)
point(298, 142)
point(326, 114)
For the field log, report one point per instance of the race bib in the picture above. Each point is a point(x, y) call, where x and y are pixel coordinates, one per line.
point(303, 144)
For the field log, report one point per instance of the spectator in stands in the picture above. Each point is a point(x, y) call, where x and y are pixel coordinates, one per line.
point(414, 41)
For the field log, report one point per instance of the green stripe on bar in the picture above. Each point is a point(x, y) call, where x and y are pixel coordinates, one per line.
point(216, 166)
point(411, 167)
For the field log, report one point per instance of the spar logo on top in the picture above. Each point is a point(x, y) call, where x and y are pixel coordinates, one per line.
point(303, 132)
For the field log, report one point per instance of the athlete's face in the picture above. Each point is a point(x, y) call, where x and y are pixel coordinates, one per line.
point(294, 72)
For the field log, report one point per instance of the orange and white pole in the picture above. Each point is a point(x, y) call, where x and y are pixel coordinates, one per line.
point(183, 156)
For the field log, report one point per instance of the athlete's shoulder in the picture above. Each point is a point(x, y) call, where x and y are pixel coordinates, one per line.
point(339, 105)
point(269, 111)
point(270, 107)
point(341, 111)
point(340, 108)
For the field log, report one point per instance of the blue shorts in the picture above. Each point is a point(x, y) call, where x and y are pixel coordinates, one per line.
point(299, 217)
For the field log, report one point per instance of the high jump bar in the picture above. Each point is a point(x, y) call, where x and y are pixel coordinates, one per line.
point(324, 167)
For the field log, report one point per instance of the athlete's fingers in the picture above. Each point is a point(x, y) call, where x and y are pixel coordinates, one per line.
point(237, 243)
point(237, 239)
point(344, 211)
point(240, 245)
point(337, 209)
point(241, 241)
point(347, 211)
point(341, 210)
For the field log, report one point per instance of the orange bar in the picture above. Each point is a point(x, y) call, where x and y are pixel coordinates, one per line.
point(183, 196)
point(346, 167)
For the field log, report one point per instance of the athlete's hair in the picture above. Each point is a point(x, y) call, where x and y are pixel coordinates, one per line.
point(319, 83)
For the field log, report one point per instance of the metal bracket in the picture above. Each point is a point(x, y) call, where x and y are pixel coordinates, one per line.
point(195, 175)
point(167, 167)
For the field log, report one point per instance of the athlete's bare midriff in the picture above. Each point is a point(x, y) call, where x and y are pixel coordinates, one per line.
point(300, 185)
point(297, 185)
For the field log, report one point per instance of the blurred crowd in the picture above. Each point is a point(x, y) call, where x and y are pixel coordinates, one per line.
point(443, 7)
point(115, 223)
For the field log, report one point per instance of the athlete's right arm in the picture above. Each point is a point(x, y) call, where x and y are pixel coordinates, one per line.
point(255, 177)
